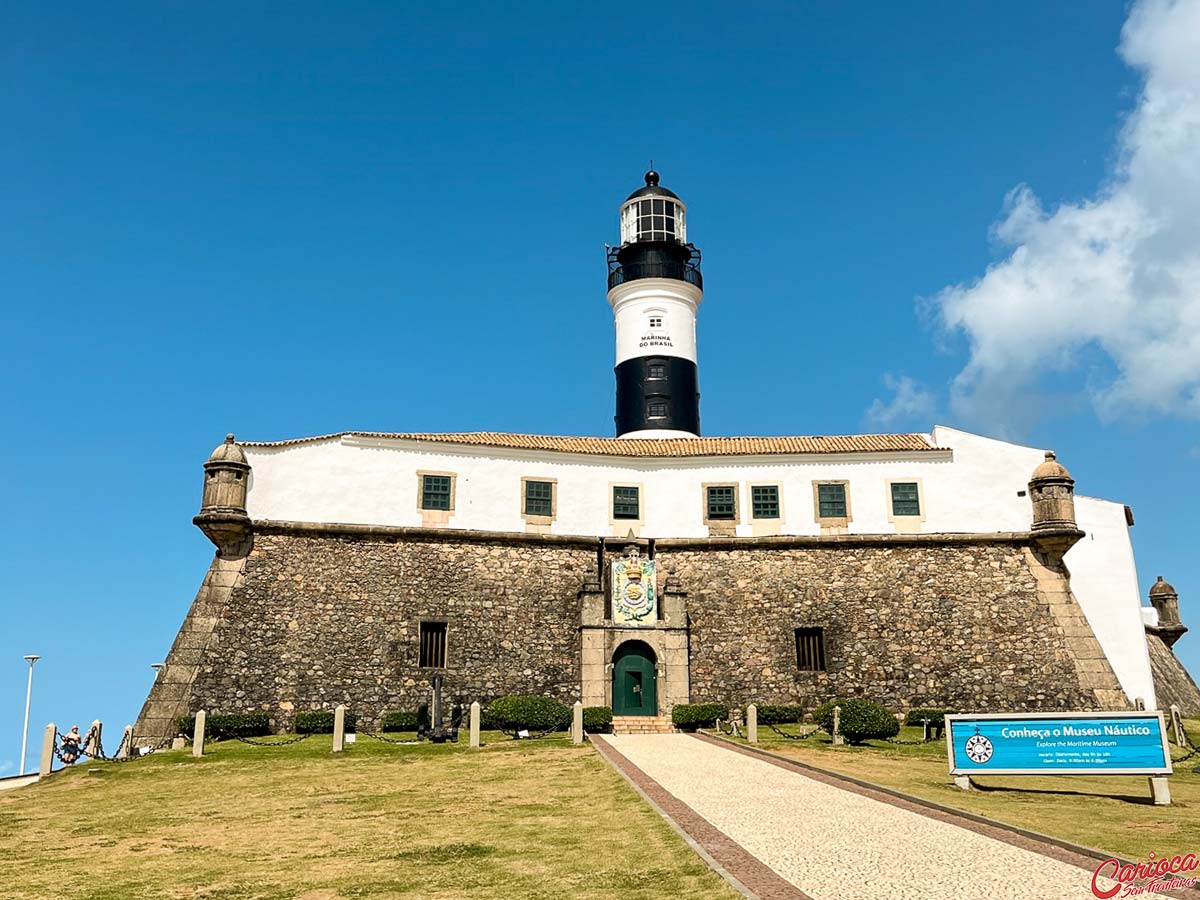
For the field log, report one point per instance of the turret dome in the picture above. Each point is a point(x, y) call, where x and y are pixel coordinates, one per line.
point(1051, 468)
point(228, 452)
point(1162, 588)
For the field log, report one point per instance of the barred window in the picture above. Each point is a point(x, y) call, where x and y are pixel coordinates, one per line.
point(810, 649)
point(656, 409)
point(539, 498)
point(905, 499)
point(831, 501)
point(764, 501)
point(656, 371)
point(721, 502)
point(433, 645)
point(435, 492)
point(625, 503)
point(656, 322)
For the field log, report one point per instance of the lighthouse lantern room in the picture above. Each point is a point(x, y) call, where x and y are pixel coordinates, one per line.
point(655, 289)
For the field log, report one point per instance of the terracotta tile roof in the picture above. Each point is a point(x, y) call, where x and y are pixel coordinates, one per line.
point(650, 447)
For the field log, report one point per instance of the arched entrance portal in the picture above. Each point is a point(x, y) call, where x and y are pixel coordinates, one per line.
point(635, 681)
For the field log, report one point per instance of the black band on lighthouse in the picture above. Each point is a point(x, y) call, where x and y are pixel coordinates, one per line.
point(657, 392)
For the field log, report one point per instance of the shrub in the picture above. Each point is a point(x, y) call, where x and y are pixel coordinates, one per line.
point(861, 720)
point(220, 726)
point(935, 716)
point(690, 716)
point(398, 721)
point(320, 721)
point(533, 713)
point(777, 714)
point(597, 719)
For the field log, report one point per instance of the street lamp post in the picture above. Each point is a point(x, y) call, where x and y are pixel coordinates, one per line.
point(31, 659)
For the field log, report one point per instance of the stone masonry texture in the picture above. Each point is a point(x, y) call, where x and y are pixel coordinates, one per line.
point(312, 617)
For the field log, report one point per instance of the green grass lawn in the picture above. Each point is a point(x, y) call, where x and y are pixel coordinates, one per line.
point(536, 819)
point(1107, 813)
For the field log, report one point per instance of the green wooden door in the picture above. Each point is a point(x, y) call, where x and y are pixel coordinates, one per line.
point(635, 683)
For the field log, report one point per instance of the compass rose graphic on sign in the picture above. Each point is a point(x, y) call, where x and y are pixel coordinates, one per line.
point(979, 749)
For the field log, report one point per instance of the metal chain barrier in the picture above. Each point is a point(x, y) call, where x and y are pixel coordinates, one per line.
point(388, 740)
point(295, 740)
point(795, 737)
point(565, 725)
point(910, 743)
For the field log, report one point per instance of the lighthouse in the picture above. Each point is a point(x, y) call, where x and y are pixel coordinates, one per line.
point(654, 289)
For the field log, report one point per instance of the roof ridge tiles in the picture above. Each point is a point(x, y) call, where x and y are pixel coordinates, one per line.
point(648, 447)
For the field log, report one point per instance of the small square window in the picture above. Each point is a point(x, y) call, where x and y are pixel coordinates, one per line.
point(656, 409)
point(810, 649)
point(625, 503)
point(764, 501)
point(721, 503)
point(906, 500)
point(831, 501)
point(539, 498)
point(656, 321)
point(433, 645)
point(435, 492)
point(656, 372)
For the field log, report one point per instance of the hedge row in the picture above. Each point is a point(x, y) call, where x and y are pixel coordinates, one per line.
point(220, 726)
point(690, 716)
point(513, 714)
point(860, 720)
point(320, 721)
point(778, 714)
point(935, 716)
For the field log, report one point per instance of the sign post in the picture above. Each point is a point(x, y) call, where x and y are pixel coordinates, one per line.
point(1100, 743)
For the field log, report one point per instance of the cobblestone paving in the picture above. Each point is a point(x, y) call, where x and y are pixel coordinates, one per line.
point(832, 843)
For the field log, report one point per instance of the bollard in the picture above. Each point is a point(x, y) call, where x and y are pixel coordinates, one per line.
point(1177, 726)
point(475, 724)
point(198, 734)
point(838, 740)
point(577, 723)
point(752, 723)
point(126, 748)
point(47, 763)
point(91, 749)
point(339, 728)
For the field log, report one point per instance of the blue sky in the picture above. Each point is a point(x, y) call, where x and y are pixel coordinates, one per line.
point(289, 219)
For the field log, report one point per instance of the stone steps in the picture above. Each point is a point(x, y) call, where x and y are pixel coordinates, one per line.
point(642, 725)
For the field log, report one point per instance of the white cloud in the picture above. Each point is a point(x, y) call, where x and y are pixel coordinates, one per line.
point(911, 406)
point(1119, 273)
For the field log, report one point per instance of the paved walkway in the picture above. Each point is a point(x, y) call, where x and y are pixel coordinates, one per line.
point(824, 841)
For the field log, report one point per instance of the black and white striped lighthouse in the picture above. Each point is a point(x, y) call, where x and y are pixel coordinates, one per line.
point(655, 288)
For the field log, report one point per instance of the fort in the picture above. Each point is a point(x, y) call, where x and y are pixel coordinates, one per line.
point(657, 567)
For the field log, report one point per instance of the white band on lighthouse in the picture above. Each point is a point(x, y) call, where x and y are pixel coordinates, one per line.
point(655, 317)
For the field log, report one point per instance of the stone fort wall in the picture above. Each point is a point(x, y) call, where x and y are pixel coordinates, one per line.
point(311, 617)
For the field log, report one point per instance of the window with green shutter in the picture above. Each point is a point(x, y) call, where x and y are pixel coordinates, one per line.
point(764, 501)
point(625, 503)
point(831, 501)
point(721, 503)
point(435, 492)
point(539, 498)
point(906, 500)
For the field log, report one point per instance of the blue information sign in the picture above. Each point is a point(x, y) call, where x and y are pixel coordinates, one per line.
point(1133, 743)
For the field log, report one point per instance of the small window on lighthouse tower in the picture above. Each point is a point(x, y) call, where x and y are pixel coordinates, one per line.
point(656, 321)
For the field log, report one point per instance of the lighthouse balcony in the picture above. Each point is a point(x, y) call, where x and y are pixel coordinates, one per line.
point(657, 259)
